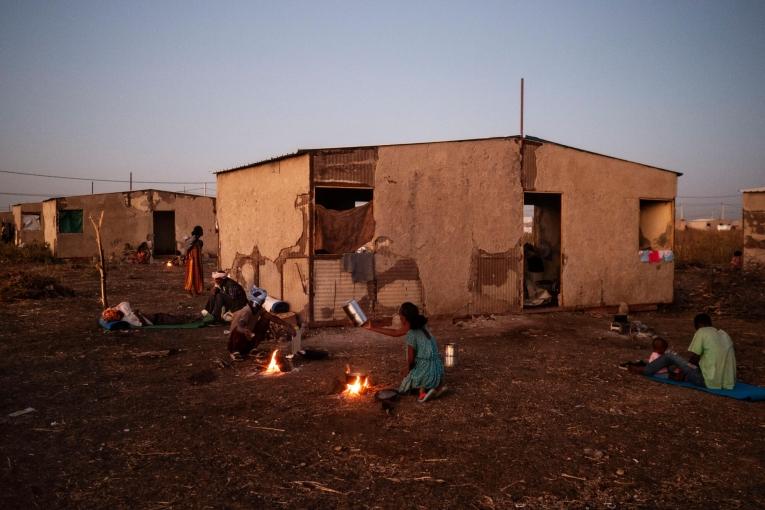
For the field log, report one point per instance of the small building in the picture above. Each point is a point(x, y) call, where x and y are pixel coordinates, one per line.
point(28, 223)
point(712, 224)
point(163, 219)
point(442, 225)
point(754, 226)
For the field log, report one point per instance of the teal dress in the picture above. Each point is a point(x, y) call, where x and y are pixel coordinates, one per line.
point(428, 370)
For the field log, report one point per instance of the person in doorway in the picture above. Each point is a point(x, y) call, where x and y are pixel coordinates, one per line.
point(192, 253)
point(251, 324)
point(424, 367)
point(712, 360)
point(226, 296)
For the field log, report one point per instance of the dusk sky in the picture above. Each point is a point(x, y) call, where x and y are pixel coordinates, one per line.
point(173, 91)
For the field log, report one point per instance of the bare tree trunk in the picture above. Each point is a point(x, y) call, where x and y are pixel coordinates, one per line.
point(100, 265)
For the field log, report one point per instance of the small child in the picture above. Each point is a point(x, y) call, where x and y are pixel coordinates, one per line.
point(659, 347)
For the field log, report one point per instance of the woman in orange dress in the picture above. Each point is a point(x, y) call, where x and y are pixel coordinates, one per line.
point(193, 282)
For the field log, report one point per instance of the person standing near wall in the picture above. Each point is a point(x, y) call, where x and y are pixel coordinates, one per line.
point(192, 254)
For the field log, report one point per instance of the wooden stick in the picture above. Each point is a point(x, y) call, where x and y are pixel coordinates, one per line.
point(100, 265)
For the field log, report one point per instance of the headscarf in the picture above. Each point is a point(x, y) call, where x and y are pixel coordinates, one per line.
point(219, 274)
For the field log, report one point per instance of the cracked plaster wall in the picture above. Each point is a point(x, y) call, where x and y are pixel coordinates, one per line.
point(263, 221)
point(439, 203)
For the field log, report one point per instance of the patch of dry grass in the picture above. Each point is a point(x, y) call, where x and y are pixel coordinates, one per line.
point(706, 246)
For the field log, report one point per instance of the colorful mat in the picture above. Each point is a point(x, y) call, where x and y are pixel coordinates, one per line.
point(741, 391)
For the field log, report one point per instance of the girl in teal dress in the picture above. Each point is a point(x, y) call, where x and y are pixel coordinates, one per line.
point(424, 369)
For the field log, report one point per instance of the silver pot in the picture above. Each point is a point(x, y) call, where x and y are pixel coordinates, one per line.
point(355, 313)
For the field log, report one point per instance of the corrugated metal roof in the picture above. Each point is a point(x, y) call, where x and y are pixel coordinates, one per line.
point(300, 152)
point(126, 191)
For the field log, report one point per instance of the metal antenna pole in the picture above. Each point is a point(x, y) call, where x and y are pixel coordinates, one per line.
point(521, 107)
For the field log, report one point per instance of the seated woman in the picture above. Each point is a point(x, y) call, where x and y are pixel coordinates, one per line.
point(424, 368)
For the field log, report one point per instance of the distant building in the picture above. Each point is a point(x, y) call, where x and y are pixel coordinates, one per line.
point(445, 223)
point(161, 218)
point(754, 226)
point(714, 224)
point(27, 219)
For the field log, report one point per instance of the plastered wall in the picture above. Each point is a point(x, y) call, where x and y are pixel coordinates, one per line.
point(754, 228)
point(28, 236)
point(441, 204)
point(128, 218)
point(263, 221)
point(600, 226)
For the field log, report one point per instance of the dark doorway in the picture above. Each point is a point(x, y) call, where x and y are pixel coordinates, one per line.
point(164, 233)
point(542, 249)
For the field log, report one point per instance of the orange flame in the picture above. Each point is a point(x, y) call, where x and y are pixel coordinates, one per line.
point(357, 387)
point(273, 366)
point(169, 263)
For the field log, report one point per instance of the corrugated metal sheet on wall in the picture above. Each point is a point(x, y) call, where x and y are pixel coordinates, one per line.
point(498, 287)
point(529, 174)
point(347, 166)
point(333, 287)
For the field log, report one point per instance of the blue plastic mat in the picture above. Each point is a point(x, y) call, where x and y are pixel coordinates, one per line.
point(741, 391)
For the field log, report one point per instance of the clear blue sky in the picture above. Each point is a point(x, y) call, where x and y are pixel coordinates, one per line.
point(176, 90)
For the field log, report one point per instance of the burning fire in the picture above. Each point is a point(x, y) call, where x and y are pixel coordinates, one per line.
point(169, 263)
point(273, 366)
point(357, 387)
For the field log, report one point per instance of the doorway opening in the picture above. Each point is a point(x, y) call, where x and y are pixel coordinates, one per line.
point(541, 249)
point(164, 233)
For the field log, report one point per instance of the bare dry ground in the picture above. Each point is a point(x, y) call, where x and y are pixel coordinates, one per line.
point(538, 416)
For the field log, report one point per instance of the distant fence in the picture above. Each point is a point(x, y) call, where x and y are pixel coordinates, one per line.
point(707, 246)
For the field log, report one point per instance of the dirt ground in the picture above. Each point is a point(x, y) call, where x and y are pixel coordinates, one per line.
point(538, 415)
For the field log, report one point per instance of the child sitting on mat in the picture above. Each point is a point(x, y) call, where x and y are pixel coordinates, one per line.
point(659, 347)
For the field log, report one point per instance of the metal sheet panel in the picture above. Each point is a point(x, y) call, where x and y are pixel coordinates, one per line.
point(333, 287)
point(529, 174)
point(346, 166)
point(498, 283)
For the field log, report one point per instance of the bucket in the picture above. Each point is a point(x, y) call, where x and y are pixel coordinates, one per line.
point(355, 313)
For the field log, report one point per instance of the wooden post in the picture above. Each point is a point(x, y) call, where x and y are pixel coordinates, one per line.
point(100, 265)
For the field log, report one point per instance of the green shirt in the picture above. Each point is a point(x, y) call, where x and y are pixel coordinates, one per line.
point(717, 360)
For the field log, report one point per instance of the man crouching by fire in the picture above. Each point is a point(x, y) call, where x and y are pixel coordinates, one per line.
point(250, 325)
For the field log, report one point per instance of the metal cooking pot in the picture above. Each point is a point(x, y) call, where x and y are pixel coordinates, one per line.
point(355, 313)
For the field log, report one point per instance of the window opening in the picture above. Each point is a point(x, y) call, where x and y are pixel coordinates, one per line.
point(656, 229)
point(343, 220)
point(30, 221)
point(70, 221)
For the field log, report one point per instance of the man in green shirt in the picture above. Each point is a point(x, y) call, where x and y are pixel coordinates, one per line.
point(712, 360)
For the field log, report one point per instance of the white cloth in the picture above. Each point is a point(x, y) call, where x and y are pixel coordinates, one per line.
point(128, 315)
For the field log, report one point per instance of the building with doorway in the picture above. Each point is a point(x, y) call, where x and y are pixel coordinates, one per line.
point(754, 226)
point(442, 225)
point(163, 219)
point(28, 225)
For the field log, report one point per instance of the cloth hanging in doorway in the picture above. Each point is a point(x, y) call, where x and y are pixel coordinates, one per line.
point(343, 231)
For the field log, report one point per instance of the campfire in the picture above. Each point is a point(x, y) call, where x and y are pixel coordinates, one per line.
point(357, 387)
point(273, 366)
